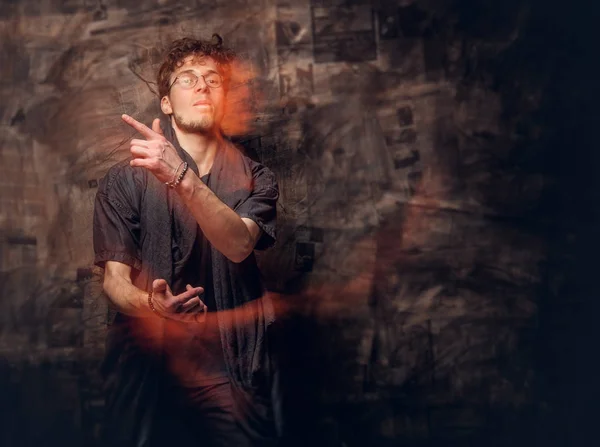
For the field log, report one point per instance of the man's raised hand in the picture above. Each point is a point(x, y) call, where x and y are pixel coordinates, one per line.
point(155, 153)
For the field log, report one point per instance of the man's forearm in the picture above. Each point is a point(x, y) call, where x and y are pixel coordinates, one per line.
point(125, 297)
point(223, 228)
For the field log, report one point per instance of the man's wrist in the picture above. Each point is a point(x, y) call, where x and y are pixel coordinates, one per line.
point(188, 185)
point(178, 175)
point(151, 305)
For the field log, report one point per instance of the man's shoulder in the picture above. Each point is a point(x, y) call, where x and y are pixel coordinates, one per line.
point(261, 174)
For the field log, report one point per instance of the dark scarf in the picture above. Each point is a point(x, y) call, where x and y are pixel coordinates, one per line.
point(244, 347)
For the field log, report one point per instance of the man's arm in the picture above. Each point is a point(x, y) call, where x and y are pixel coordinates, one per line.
point(130, 300)
point(232, 235)
point(121, 292)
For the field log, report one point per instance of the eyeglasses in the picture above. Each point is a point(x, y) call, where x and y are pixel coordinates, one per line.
point(189, 79)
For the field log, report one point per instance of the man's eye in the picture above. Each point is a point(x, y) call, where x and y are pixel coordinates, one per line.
point(213, 80)
point(186, 81)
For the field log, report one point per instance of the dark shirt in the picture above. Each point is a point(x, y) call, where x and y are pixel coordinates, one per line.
point(119, 233)
point(195, 349)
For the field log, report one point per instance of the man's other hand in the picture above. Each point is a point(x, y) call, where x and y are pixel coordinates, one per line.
point(185, 307)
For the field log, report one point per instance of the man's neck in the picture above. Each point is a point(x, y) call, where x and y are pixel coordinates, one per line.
point(202, 147)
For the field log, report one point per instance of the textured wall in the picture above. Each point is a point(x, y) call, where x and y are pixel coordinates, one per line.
point(437, 198)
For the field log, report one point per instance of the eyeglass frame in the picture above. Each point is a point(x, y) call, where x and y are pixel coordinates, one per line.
point(198, 76)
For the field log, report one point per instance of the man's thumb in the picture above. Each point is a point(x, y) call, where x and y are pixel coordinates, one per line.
point(159, 285)
point(156, 127)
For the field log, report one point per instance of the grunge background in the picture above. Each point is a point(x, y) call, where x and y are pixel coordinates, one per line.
point(438, 214)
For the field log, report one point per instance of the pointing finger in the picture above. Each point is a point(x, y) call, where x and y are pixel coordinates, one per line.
point(146, 132)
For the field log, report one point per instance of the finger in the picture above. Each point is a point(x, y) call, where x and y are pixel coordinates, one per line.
point(199, 289)
point(190, 293)
point(141, 163)
point(159, 286)
point(201, 303)
point(138, 142)
point(138, 151)
point(156, 127)
point(191, 304)
point(146, 132)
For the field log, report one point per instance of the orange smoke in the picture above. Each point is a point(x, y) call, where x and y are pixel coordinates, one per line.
point(240, 109)
point(150, 331)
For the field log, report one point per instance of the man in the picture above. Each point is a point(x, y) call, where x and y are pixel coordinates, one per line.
point(175, 229)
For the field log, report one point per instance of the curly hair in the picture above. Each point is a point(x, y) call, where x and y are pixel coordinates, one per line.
point(182, 48)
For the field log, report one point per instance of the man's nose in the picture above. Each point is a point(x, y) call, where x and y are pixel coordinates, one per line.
point(201, 84)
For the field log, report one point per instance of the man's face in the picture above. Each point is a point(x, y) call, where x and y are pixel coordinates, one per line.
point(198, 109)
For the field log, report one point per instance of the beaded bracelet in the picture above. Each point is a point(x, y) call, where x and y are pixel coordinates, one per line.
point(151, 304)
point(175, 174)
point(177, 181)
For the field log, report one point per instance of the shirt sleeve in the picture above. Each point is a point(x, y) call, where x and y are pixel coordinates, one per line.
point(117, 231)
point(261, 205)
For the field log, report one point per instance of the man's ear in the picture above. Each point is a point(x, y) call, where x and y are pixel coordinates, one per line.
point(165, 105)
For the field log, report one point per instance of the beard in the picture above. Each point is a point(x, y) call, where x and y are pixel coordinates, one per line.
point(202, 125)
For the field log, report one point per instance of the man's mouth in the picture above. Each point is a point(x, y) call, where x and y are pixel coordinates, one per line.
point(201, 103)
